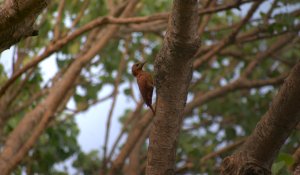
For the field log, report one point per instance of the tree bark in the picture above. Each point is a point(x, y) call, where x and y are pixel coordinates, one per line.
point(17, 18)
point(261, 148)
point(173, 72)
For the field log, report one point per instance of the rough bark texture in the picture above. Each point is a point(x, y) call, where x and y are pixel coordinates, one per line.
point(261, 148)
point(173, 72)
point(17, 18)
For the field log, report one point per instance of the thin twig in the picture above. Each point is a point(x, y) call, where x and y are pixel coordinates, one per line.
point(189, 165)
point(80, 14)
point(121, 69)
point(57, 30)
point(227, 40)
point(132, 116)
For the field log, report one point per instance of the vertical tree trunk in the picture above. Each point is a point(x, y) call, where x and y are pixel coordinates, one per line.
point(173, 72)
point(261, 148)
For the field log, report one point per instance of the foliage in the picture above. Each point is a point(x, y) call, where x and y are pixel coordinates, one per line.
point(88, 163)
point(209, 127)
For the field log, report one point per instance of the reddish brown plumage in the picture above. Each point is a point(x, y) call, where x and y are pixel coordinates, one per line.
point(145, 83)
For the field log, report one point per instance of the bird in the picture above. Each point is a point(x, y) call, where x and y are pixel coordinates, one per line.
point(145, 83)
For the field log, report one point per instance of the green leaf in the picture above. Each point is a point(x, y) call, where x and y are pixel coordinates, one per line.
point(286, 158)
point(277, 167)
point(127, 91)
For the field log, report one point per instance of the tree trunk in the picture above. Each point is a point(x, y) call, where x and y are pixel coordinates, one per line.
point(261, 148)
point(173, 72)
point(17, 18)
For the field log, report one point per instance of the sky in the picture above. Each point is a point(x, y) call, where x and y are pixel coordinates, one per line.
point(92, 123)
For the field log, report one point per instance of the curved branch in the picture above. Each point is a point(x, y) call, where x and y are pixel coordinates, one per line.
point(121, 68)
point(261, 148)
point(229, 147)
point(295, 167)
point(55, 46)
point(229, 39)
point(34, 123)
point(231, 87)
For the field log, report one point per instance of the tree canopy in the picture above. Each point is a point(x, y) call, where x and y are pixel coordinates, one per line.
point(248, 48)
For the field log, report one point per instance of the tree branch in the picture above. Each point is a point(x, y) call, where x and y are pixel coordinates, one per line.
point(121, 68)
point(57, 29)
point(231, 87)
point(132, 139)
point(229, 147)
point(33, 123)
point(295, 167)
point(261, 148)
point(132, 116)
point(229, 39)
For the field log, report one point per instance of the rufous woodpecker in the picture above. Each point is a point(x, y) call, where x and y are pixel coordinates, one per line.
point(145, 83)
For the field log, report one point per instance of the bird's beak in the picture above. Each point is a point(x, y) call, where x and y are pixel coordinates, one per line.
point(143, 63)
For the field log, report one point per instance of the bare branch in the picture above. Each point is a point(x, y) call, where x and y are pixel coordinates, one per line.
point(80, 14)
point(18, 143)
point(224, 7)
point(131, 119)
point(295, 167)
point(230, 147)
point(57, 30)
point(261, 148)
point(231, 87)
point(121, 68)
point(279, 44)
point(227, 40)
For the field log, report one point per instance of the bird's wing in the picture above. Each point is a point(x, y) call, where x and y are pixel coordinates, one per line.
point(150, 78)
point(145, 83)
